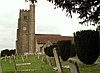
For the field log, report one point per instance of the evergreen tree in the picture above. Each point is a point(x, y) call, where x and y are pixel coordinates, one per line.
point(87, 45)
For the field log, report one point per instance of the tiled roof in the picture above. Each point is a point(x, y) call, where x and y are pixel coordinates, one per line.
point(43, 38)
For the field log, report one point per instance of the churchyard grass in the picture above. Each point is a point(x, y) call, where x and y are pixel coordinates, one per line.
point(94, 68)
point(40, 67)
point(6, 67)
point(36, 65)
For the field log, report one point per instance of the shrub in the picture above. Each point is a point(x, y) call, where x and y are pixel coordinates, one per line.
point(5, 53)
point(64, 49)
point(72, 50)
point(87, 44)
point(12, 52)
point(49, 50)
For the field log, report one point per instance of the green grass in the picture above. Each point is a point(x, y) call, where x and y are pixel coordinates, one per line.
point(7, 67)
point(41, 67)
point(36, 65)
point(94, 68)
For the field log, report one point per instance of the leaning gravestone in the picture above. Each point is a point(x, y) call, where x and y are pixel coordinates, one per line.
point(48, 60)
point(73, 66)
point(15, 68)
point(21, 64)
point(57, 60)
point(22, 58)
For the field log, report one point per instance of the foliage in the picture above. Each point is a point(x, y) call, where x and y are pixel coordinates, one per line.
point(12, 52)
point(7, 52)
point(33, 1)
point(87, 44)
point(72, 50)
point(49, 50)
point(64, 49)
point(88, 10)
point(98, 29)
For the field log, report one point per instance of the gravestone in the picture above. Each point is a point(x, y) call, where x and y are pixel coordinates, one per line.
point(48, 60)
point(5, 58)
point(0, 69)
point(26, 55)
point(57, 60)
point(10, 59)
point(22, 58)
point(15, 68)
point(73, 66)
point(21, 64)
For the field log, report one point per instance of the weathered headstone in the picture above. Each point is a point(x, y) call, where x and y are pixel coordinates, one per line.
point(48, 60)
point(15, 68)
point(22, 58)
point(5, 58)
point(38, 55)
point(0, 69)
point(21, 64)
point(26, 55)
point(58, 64)
point(9, 59)
point(73, 66)
point(42, 59)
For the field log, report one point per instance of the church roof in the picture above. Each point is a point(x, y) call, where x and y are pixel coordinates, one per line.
point(43, 38)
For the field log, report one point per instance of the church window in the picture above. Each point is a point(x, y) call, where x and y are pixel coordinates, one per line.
point(25, 17)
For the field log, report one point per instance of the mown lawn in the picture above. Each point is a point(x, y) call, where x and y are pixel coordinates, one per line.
point(40, 67)
point(83, 68)
point(36, 65)
point(94, 68)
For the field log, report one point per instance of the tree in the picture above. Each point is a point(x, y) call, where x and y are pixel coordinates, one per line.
point(87, 45)
point(88, 10)
point(64, 47)
point(5, 53)
point(49, 50)
point(12, 52)
point(72, 50)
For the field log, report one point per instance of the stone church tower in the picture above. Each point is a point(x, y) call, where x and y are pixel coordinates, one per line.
point(26, 31)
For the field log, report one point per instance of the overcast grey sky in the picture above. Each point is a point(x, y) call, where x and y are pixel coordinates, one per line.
point(48, 20)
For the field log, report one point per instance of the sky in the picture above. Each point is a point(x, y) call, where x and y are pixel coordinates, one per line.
point(47, 21)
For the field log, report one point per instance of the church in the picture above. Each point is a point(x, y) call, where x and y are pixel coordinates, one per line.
point(27, 40)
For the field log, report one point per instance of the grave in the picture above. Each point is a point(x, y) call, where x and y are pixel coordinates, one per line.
point(21, 64)
point(57, 60)
point(73, 66)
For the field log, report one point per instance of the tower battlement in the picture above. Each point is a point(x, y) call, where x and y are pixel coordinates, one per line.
point(23, 10)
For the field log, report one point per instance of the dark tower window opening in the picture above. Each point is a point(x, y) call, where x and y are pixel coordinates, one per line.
point(25, 17)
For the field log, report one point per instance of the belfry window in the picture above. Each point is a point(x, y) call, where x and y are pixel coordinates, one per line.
point(25, 17)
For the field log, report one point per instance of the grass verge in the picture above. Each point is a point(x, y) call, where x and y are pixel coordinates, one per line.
point(40, 67)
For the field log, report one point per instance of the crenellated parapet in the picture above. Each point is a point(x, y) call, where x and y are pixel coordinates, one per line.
point(23, 10)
